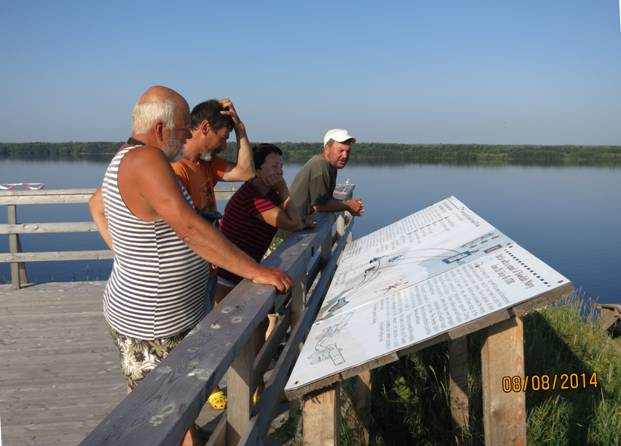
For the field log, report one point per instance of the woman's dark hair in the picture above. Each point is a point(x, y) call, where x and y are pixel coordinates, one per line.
point(210, 111)
point(260, 152)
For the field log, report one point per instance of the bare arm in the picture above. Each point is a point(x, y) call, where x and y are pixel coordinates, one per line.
point(96, 206)
point(284, 217)
point(244, 168)
point(156, 182)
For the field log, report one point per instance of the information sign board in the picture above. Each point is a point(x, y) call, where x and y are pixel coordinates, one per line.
point(433, 271)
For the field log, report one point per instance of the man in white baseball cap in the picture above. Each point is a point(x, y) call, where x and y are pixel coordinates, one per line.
point(314, 184)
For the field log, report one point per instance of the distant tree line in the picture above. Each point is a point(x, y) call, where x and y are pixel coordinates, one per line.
point(62, 150)
point(362, 152)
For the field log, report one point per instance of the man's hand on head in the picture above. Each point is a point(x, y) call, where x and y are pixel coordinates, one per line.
point(230, 111)
point(355, 206)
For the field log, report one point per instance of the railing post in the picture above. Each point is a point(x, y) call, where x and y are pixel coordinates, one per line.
point(361, 402)
point(321, 411)
point(502, 354)
point(239, 388)
point(18, 269)
point(458, 386)
point(320, 417)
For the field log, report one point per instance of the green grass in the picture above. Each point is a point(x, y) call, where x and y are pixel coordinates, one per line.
point(410, 402)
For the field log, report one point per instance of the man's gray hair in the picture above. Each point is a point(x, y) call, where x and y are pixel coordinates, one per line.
point(145, 115)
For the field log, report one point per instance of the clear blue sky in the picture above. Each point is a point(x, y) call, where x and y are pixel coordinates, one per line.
point(541, 72)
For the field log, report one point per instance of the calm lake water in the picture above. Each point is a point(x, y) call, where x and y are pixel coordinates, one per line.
point(568, 216)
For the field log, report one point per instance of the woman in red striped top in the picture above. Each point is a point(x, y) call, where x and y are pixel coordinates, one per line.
point(252, 216)
point(260, 207)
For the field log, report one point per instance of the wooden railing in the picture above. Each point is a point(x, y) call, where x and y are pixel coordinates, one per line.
point(169, 399)
point(13, 229)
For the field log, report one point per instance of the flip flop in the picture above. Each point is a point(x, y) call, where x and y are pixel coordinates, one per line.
point(217, 400)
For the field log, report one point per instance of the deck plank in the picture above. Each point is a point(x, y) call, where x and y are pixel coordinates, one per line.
point(59, 370)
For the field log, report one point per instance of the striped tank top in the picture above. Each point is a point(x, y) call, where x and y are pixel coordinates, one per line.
point(157, 287)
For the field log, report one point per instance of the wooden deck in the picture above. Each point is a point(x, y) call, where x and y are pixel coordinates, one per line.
point(59, 370)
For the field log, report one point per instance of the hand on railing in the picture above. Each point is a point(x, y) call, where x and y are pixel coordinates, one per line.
point(275, 277)
point(355, 206)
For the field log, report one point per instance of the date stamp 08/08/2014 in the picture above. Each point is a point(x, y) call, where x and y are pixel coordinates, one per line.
point(547, 382)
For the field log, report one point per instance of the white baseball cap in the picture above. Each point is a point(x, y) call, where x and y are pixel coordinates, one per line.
point(338, 135)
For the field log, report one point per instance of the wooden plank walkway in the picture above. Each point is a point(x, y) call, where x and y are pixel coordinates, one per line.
point(59, 370)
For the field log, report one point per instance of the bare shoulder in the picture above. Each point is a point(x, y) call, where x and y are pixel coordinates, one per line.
point(146, 157)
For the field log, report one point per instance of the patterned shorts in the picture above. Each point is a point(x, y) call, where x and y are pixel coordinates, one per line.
point(139, 357)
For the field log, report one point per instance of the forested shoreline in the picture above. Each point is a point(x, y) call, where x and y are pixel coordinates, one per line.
point(363, 152)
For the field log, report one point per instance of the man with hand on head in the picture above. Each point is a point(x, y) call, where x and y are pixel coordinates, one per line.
point(313, 187)
point(200, 167)
point(156, 292)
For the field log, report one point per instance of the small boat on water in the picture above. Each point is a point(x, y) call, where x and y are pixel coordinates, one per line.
point(21, 186)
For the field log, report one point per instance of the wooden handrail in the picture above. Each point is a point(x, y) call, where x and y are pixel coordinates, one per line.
point(260, 422)
point(15, 256)
point(170, 398)
point(48, 228)
point(67, 196)
point(54, 256)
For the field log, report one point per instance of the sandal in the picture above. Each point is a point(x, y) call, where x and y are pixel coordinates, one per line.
point(217, 399)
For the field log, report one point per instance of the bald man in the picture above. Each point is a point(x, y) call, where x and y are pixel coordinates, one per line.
point(156, 292)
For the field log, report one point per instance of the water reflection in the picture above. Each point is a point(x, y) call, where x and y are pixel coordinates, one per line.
point(567, 216)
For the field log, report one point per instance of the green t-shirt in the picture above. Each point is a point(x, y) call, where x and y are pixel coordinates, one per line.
point(314, 184)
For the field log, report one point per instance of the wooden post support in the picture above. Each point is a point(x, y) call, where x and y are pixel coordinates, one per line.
point(326, 250)
point(218, 436)
point(18, 269)
point(320, 417)
point(502, 354)
point(239, 388)
point(298, 300)
point(458, 385)
point(361, 400)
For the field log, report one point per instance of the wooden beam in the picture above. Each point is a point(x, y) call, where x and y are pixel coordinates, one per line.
point(458, 386)
point(170, 398)
point(609, 316)
point(275, 384)
point(46, 228)
point(361, 404)
point(218, 436)
point(502, 354)
point(239, 388)
point(46, 196)
point(542, 300)
point(320, 417)
point(265, 355)
point(298, 297)
point(55, 256)
point(68, 196)
point(18, 269)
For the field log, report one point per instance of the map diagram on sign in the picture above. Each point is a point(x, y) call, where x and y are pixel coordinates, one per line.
point(421, 276)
